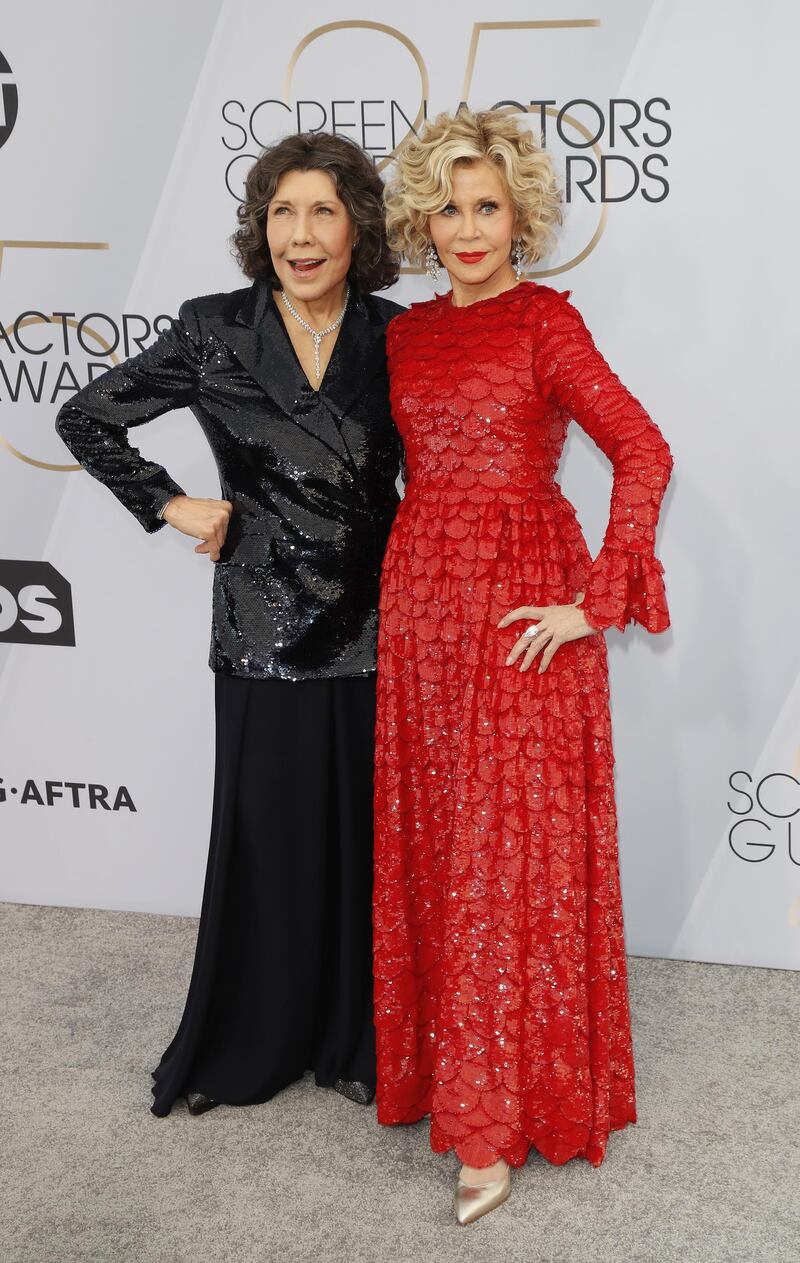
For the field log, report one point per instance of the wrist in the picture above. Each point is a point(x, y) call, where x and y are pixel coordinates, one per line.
point(164, 511)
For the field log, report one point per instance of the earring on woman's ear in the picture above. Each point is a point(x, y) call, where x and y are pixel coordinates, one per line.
point(518, 257)
point(432, 263)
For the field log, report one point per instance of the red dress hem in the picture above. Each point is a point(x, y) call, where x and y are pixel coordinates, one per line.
point(593, 1151)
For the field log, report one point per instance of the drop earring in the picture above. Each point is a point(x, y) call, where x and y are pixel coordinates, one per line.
point(432, 263)
point(517, 257)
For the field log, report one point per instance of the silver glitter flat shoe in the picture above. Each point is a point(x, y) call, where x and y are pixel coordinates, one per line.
point(354, 1090)
point(473, 1201)
point(199, 1103)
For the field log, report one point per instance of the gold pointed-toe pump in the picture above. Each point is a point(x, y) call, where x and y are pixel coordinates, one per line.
point(472, 1201)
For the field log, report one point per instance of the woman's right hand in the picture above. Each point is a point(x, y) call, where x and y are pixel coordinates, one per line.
point(206, 520)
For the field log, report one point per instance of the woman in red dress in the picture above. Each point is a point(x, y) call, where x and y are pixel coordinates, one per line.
point(501, 988)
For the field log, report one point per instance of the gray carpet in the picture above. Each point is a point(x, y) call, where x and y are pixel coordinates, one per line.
point(89, 999)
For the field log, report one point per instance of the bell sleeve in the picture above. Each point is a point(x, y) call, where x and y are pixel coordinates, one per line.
point(625, 583)
point(94, 423)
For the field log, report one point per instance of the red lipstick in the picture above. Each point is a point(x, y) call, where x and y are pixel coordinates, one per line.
point(474, 256)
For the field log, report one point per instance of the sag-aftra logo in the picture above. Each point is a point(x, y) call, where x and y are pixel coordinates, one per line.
point(75, 793)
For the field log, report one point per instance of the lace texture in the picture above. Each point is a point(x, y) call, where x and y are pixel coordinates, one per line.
point(500, 975)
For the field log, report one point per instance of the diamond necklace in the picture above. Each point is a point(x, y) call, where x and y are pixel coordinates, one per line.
point(316, 334)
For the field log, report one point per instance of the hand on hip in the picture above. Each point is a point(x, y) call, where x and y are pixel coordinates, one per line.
point(206, 520)
point(551, 627)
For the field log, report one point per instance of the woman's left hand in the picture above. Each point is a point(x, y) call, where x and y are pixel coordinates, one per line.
point(556, 625)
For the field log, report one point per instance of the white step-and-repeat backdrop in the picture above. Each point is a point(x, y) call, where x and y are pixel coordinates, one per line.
point(123, 146)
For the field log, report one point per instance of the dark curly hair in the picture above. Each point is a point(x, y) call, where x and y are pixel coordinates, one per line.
point(358, 185)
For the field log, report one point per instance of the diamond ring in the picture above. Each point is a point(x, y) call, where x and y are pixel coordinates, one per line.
point(531, 631)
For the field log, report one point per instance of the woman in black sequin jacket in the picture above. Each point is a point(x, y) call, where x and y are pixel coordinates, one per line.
point(287, 378)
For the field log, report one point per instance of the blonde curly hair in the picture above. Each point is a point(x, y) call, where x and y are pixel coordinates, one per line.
point(422, 181)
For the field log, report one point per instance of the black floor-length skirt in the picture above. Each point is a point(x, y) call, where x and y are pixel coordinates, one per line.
point(282, 978)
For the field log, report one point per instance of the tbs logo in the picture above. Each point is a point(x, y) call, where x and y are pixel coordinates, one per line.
point(35, 604)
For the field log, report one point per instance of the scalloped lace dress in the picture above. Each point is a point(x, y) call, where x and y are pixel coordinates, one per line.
point(501, 1002)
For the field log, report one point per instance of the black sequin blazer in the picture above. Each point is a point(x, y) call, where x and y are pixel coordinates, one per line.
point(311, 475)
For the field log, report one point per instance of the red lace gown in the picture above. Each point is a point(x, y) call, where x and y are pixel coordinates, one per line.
point(501, 1001)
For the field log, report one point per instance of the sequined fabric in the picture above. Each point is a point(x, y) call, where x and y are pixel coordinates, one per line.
point(501, 990)
point(311, 474)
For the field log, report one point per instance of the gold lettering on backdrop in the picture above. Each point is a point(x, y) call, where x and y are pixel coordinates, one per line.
point(73, 324)
point(477, 29)
point(50, 245)
point(555, 24)
point(360, 25)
